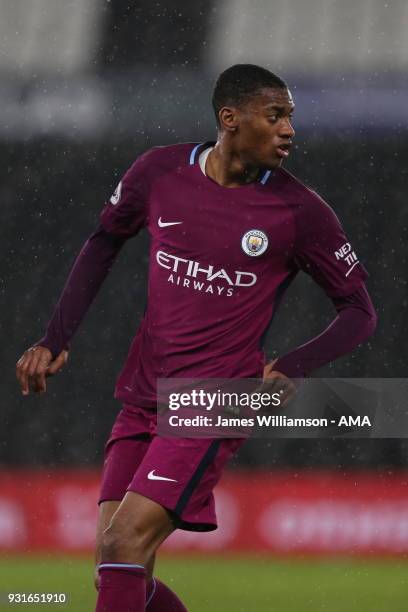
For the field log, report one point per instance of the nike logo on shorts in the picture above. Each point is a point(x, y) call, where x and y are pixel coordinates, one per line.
point(152, 476)
point(166, 223)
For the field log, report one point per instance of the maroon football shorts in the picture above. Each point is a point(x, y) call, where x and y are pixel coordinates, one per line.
point(177, 473)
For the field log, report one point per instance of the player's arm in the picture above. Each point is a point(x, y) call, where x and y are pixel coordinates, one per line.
point(355, 322)
point(50, 353)
point(121, 218)
point(323, 251)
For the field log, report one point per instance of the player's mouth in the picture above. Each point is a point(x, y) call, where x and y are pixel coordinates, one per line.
point(283, 149)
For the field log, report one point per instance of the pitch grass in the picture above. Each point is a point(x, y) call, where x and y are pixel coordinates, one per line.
point(228, 584)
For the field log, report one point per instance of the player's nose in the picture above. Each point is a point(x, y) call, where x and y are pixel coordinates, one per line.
point(286, 129)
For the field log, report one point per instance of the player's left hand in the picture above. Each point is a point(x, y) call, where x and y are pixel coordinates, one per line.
point(279, 383)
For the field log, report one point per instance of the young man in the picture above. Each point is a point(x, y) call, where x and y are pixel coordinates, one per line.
point(229, 230)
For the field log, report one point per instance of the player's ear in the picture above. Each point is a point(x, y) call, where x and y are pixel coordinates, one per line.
point(228, 117)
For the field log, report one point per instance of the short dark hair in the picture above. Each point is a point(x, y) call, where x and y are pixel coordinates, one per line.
point(238, 83)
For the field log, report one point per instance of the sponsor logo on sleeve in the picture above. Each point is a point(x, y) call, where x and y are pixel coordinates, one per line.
point(116, 195)
point(348, 256)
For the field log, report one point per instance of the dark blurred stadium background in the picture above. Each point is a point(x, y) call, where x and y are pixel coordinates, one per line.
point(85, 87)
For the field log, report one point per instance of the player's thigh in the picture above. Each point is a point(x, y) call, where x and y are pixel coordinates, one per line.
point(122, 458)
point(180, 474)
point(136, 530)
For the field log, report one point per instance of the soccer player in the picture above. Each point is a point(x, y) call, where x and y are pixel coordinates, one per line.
point(230, 229)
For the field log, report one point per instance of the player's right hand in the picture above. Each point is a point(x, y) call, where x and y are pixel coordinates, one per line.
point(276, 381)
point(35, 365)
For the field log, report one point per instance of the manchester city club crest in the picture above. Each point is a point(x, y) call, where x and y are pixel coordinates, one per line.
point(254, 242)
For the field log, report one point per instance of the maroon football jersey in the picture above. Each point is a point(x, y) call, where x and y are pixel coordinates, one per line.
point(220, 260)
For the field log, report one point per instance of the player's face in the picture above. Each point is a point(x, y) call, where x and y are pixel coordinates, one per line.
point(264, 131)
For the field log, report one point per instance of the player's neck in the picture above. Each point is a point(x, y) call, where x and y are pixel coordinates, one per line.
point(226, 168)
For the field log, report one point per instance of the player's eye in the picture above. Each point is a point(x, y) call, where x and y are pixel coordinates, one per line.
point(273, 118)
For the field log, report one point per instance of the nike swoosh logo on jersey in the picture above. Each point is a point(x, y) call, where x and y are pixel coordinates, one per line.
point(166, 223)
point(152, 476)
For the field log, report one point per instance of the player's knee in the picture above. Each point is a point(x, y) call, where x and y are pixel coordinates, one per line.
point(113, 543)
point(121, 542)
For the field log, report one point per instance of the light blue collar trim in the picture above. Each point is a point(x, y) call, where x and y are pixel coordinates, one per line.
point(193, 152)
point(263, 180)
point(265, 177)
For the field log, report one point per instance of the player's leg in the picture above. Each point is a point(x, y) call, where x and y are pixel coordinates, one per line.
point(106, 511)
point(180, 474)
point(158, 596)
point(122, 458)
point(135, 531)
point(126, 447)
